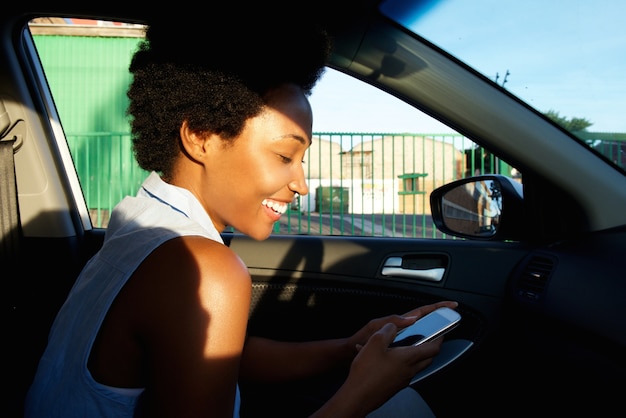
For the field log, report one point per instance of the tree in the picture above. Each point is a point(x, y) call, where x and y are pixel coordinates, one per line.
point(572, 125)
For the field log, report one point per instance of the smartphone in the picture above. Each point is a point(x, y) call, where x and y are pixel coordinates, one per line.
point(427, 328)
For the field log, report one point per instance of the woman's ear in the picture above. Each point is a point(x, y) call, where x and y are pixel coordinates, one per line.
point(193, 145)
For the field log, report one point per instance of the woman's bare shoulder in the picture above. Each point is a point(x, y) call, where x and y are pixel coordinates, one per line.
point(189, 268)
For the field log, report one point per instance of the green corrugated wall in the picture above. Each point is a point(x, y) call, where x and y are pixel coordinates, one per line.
point(89, 77)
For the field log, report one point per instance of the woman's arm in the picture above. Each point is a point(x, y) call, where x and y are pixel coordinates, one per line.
point(266, 360)
point(376, 371)
point(194, 295)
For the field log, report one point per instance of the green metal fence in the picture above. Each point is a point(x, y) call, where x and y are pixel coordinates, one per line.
point(359, 184)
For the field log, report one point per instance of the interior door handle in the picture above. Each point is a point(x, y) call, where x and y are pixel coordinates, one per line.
point(412, 268)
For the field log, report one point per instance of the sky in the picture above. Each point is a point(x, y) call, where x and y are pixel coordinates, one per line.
point(580, 75)
point(370, 109)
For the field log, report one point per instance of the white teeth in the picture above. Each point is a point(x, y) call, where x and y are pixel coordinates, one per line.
point(277, 207)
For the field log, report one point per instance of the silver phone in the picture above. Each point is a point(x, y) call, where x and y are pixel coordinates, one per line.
point(428, 327)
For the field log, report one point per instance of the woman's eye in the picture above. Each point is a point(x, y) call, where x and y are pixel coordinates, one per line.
point(285, 159)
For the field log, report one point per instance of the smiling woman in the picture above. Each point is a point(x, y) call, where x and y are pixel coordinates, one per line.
point(157, 320)
point(503, 210)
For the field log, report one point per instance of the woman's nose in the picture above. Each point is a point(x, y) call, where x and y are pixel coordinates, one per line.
point(299, 185)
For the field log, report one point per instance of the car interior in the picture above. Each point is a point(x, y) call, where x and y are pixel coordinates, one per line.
point(540, 290)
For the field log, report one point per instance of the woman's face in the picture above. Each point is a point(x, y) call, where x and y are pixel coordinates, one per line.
point(252, 181)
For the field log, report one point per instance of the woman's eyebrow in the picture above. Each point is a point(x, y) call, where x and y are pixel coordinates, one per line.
point(301, 139)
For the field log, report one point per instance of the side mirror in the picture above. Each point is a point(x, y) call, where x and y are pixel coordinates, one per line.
point(489, 207)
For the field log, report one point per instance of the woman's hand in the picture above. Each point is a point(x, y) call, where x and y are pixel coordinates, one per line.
point(400, 321)
point(379, 372)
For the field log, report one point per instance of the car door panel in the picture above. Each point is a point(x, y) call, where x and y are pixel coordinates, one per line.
point(330, 286)
point(308, 286)
point(365, 260)
point(326, 277)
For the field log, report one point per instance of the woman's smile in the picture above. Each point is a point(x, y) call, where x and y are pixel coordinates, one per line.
point(274, 208)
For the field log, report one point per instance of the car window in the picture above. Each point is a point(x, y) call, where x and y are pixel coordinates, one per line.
point(373, 162)
point(565, 58)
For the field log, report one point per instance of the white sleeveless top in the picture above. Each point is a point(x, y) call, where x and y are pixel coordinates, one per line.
point(63, 386)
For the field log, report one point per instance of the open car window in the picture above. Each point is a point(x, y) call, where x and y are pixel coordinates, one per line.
point(370, 170)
